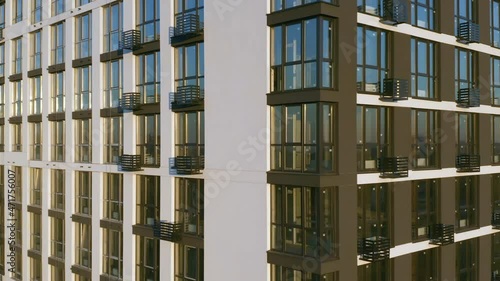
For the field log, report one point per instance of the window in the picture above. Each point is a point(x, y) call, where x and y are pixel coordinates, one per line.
point(495, 81)
point(57, 200)
point(35, 269)
point(82, 2)
point(495, 256)
point(495, 23)
point(2, 138)
point(465, 11)
point(189, 263)
point(467, 260)
point(373, 7)
point(298, 61)
point(302, 137)
point(147, 258)
point(83, 88)
point(36, 13)
point(57, 272)
point(2, 101)
point(113, 196)
point(373, 61)
point(18, 191)
point(423, 69)
point(189, 7)
point(58, 43)
point(58, 141)
point(83, 193)
point(113, 83)
point(426, 138)
point(58, 7)
point(148, 139)
point(18, 214)
point(424, 207)
point(17, 11)
point(112, 263)
point(278, 5)
point(423, 14)
point(189, 205)
point(425, 265)
point(303, 220)
point(467, 133)
point(17, 137)
point(374, 135)
point(495, 193)
point(375, 271)
point(465, 69)
point(148, 19)
point(148, 200)
point(2, 219)
point(2, 19)
point(113, 139)
point(149, 77)
point(18, 274)
point(36, 230)
point(36, 50)
point(83, 36)
point(190, 134)
point(83, 245)
point(496, 138)
point(57, 238)
point(36, 186)
point(17, 98)
point(36, 95)
point(466, 202)
point(113, 25)
point(83, 140)
point(374, 211)
point(36, 141)
point(17, 55)
point(2, 60)
point(280, 273)
point(57, 97)
point(190, 66)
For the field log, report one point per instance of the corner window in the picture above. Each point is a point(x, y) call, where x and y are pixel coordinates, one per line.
point(373, 61)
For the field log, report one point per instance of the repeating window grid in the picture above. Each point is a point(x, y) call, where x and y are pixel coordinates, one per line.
point(423, 69)
point(83, 245)
point(58, 141)
point(112, 253)
point(113, 139)
point(17, 140)
point(57, 56)
point(83, 36)
point(57, 7)
point(373, 61)
point(36, 50)
point(17, 11)
point(35, 230)
point(113, 196)
point(83, 88)
point(57, 190)
point(190, 66)
point(190, 134)
point(17, 55)
point(465, 69)
point(495, 23)
point(36, 141)
point(83, 189)
point(57, 238)
point(495, 81)
point(113, 83)
point(148, 139)
point(36, 13)
point(83, 141)
point(148, 19)
point(149, 77)
point(58, 90)
point(36, 186)
point(36, 95)
point(113, 27)
point(423, 14)
point(495, 133)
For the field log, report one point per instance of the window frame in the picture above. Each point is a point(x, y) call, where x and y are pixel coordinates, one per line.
point(383, 57)
point(430, 73)
point(470, 207)
point(422, 219)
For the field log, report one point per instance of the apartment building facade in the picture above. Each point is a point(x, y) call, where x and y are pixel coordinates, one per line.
point(345, 140)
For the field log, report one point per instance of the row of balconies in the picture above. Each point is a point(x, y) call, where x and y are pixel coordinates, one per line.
point(179, 165)
point(185, 96)
point(173, 231)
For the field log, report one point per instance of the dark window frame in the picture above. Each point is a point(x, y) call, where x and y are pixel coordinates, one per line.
point(466, 203)
point(429, 10)
point(430, 147)
point(429, 215)
point(383, 66)
point(430, 71)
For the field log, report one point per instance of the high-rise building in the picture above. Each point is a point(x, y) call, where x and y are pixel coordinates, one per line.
point(345, 140)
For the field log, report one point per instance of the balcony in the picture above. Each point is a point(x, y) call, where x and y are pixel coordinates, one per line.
point(469, 97)
point(131, 40)
point(1, 34)
point(468, 32)
point(374, 248)
point(130, 101)
point(130, 163)
point(186, 96)
point(468, 163)
point(167, 231)
point(441, 234)
point(495, 219)
point(394, 90)
point(187, 165)
point(394, 12)
point(186, 26)
point(393, 167)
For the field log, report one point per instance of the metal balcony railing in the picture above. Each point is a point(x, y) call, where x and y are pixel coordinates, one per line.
point(495, 219)
point(167, 231)
point(186, 96)
point(468, 32)
point(187, 165)
point(395, 89)
point(130, 101)
point(468, 163)
point(130, 163)
point(374, 248)
point(469, 97)
point(441, 234)
point(187, 25)
point(131, 40)
point(394, 12)
point(1, 34)
point(393, 167)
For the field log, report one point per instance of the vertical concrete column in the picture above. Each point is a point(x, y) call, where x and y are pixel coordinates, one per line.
point(484, 200)
point(401, 211)
point(447, 139)
point(70, 243)
point(97, 239)
point(97, 86)
point(69, 88)
point(446, 72)
point(45, 225)
point(403, 267)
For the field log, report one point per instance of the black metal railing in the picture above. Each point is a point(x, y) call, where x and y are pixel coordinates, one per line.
point(168, 231)
point(469, 97)
point(374, 249)
point(186, 26)
point(1, 34)
point(495, 219)
point(131, 40)
point(186, 96)
point(395, 89)
point(130, 101)
point(187, 165)
point(441, 234)
point(394, 12)
point(393, 167)
point(130, 163)
point(468, 163)
point(468, 32)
